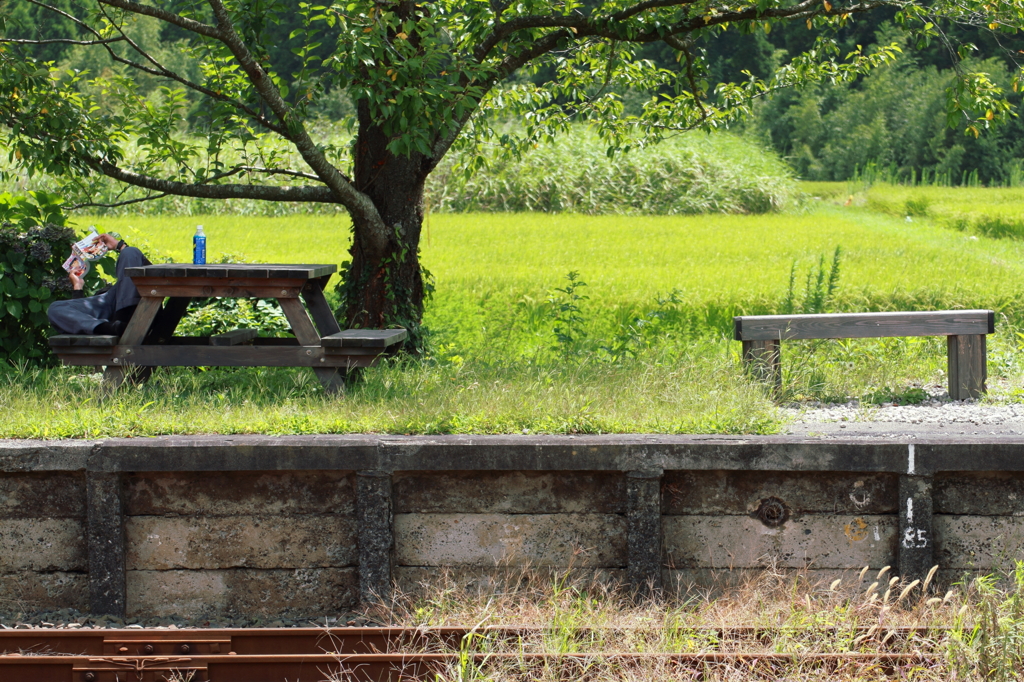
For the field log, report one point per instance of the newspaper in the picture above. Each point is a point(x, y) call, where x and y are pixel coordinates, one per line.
point(84, 252)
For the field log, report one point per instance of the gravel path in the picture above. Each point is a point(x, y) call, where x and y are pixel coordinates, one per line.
point(937, 416)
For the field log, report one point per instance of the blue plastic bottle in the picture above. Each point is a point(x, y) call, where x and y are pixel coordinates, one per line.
point(199, 247)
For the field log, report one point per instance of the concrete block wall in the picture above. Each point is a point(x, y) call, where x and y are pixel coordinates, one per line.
point(43, 554)
point(309, 526)
point(715, 531)
point(978, 521)
point(240, 543)
point(479, 524)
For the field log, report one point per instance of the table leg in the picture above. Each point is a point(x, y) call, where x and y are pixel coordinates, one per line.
point(330, 378)
point(299, 320)
point(114, 375)
point(320, 309)
point(168, 318)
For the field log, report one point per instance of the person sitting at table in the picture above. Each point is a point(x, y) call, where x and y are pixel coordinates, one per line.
point(108, 312)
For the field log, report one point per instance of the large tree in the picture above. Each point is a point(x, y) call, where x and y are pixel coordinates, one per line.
point(423, 76)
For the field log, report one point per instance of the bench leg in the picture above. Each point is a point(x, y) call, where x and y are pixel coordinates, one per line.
point(333, 380)
point(763, 359)
point(114, 376)
point(967, 362)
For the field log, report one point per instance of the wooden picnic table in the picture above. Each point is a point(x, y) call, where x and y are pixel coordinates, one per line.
point(149, 339)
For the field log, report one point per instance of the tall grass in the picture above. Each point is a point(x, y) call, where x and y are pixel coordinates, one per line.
point(966, 631)
point(688, 174)
point(698, 391)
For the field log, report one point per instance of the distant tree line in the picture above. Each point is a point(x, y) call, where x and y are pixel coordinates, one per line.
point(894, 118)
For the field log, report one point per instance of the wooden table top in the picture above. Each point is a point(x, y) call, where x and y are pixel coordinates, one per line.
point(234, 270)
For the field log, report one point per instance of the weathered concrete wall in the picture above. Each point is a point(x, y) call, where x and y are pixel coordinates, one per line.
point(309, 525)
point(979, 520)
point(713, 533)
point(240, 543)
point(478, 525)
point(43, 558)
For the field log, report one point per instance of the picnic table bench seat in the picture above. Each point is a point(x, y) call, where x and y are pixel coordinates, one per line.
point(95, 343)
point(60, 342)
point(364, 338)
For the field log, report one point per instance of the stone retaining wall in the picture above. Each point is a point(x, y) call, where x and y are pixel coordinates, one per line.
point(43, 551)
point(310, 526)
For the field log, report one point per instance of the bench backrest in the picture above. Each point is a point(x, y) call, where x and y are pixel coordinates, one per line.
point(864, 325)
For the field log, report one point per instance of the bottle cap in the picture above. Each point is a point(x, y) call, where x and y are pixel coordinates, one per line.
point(199, 229)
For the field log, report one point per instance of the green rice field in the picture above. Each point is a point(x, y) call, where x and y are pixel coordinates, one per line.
point(650, 349)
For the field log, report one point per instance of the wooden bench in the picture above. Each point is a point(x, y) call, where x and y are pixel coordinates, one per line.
point(965, 331)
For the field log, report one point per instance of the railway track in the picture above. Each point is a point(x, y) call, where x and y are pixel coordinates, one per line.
point(402, 654)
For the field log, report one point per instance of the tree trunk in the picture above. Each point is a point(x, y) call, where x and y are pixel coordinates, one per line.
point(384, 285)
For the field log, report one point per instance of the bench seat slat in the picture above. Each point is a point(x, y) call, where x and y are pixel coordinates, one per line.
point(79, 340)
point(864, 325)
point(364, 338)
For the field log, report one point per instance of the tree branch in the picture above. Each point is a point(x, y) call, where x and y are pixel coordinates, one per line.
point(60, 41)
point(163, 15)
point(506, 29)
point(358, 204)
point(164, 72)
point(116, 204)
point(583, 27)
point(646, 5)
point(234, 171)
point(684, 46)
point(319, 194)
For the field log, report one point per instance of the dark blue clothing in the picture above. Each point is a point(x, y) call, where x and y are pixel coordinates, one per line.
point(83, 315)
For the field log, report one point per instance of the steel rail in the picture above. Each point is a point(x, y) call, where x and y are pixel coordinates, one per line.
point(406, 667)
point(392, 654)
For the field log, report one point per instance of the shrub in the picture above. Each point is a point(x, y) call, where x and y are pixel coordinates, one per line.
point(34, 241)
point(689, 174)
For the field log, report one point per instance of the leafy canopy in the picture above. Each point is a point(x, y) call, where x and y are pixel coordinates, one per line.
point(222, 121)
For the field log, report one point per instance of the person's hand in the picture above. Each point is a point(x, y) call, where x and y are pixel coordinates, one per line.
point(109, 240)
point(77, 281)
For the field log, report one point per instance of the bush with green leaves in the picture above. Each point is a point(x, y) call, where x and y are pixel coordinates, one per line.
point(34, 242)
point(211, 316)
point(688, 174)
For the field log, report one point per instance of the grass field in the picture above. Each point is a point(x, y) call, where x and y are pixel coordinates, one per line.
point(995, 212)
point(718, 265)
point(651, 350)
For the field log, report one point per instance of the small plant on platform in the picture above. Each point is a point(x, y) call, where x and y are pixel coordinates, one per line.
point(913, 395)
